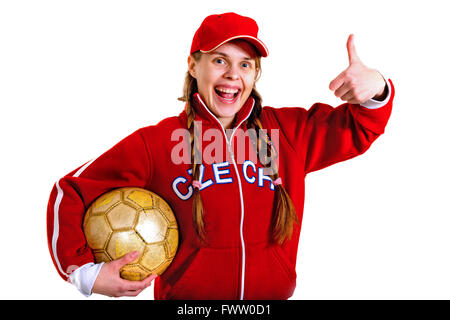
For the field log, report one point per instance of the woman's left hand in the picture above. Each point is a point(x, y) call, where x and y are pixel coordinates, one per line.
point(358, 83)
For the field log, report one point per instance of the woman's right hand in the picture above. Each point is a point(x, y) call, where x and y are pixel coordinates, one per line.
point(110, 283)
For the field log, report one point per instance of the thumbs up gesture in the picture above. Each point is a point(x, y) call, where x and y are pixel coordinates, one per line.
point(358, 83)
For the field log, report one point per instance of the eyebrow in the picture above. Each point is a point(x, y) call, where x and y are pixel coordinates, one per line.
point(227, 56)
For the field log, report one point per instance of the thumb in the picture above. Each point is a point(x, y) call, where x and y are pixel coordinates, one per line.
point(129, 257)
point(351, 50)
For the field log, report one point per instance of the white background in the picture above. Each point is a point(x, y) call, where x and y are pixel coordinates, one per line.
point(78, 76)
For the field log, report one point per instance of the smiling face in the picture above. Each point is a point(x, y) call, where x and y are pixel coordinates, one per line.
point(225, 78)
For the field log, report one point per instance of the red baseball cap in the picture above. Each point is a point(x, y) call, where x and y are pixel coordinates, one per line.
point(218, 29)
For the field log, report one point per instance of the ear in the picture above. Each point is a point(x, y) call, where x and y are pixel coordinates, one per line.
point(192, 66)
point(257, 75)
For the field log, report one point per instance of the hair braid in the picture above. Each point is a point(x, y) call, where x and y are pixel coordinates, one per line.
point(197, 203)
point(189, 89)
point(284, 212)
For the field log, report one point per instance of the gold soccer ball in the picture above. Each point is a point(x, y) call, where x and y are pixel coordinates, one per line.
point(132, 219)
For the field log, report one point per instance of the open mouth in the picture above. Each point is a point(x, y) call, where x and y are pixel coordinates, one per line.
point(227, 95)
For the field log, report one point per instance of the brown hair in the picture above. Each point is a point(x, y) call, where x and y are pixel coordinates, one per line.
point(285, 215)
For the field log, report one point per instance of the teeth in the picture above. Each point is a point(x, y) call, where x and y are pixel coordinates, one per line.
point(227, 90)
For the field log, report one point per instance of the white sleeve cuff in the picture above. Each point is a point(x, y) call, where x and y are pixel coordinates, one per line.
point(84, 277)
point(375, 104)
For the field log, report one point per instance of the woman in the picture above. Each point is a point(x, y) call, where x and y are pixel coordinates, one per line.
point(239, 209)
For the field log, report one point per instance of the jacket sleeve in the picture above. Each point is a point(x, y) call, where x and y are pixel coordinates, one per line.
point(323, 135)
point(125, 164)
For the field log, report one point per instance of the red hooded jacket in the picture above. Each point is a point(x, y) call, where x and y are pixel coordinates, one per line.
point(240, 260)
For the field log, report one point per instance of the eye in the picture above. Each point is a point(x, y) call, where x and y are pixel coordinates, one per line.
point(246, 65)
point(219, 61)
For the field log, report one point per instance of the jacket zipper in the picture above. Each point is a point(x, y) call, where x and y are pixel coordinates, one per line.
point(241, 227)
point(241, 294)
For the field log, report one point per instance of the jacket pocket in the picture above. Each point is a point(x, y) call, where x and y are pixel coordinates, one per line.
point(269, 275)
point(212, 275)
point(284, 263)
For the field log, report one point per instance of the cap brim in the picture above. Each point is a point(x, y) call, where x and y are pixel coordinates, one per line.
point(260, 46)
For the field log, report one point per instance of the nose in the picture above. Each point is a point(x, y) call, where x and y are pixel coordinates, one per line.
point(232, 72)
